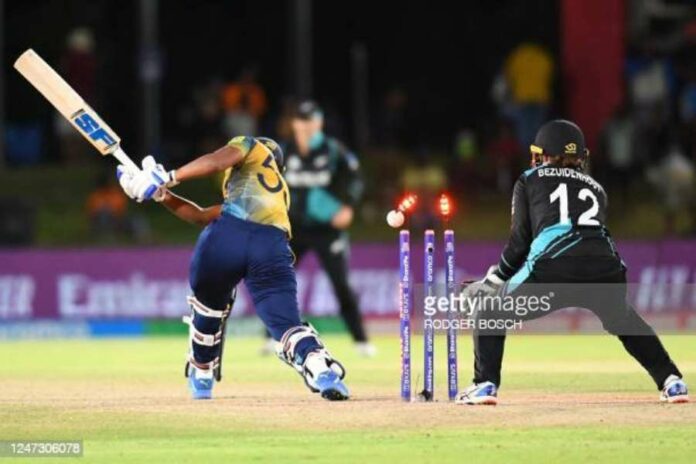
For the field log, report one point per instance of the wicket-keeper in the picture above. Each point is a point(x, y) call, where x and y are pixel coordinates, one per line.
point(560, 247)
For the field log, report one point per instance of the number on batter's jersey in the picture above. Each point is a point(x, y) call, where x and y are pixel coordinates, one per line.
point(254, 189)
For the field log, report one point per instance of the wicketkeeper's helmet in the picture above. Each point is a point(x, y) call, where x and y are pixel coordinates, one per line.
point(560, 138)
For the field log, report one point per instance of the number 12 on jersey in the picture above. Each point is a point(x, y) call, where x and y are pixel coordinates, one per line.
point(588, 217)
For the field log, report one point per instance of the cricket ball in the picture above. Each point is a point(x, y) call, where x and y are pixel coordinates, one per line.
point(395, 219)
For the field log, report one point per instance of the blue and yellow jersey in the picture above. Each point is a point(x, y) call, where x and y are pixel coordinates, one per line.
point(254, 190)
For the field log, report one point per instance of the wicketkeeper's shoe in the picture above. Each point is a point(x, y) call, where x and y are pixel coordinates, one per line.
point(674, 391)
point(331, 387)
point(200, 382)
point(479, 393)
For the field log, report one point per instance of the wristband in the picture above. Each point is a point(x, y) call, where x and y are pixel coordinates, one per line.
point(172, 176)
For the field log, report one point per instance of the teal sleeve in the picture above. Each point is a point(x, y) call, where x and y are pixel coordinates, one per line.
point(321, 205)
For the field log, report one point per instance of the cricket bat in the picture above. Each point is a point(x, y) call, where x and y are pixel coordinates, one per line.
point(87, 122)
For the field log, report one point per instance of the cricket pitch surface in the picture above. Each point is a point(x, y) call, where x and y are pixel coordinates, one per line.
point(565, 398)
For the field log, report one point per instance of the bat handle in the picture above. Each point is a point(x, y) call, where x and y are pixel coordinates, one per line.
point(125, 160)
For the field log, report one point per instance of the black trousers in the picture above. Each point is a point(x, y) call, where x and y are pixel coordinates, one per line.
point(332, 247)
point(597, 284)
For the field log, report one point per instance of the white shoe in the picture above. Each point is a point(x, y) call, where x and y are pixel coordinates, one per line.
point(674, 391)
point(366, 349)
point(479, 393)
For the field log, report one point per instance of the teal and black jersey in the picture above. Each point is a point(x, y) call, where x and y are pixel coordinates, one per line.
point(556, 212)
point(321, 181)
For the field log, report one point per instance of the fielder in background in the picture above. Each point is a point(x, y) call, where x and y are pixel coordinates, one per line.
point(560, 247)
point(246, 237)
point(325, 185)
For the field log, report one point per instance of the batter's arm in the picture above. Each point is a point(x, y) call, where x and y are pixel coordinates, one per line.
point(189, 211)
point(211, 163)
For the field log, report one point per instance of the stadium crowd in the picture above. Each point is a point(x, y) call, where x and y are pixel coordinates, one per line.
point(646, 149)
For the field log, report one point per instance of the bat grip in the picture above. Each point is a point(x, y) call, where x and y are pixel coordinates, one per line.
point(125, 160)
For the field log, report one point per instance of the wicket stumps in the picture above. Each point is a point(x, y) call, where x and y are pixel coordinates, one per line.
point(452, 381)
point(405, 312)
point(428, 331)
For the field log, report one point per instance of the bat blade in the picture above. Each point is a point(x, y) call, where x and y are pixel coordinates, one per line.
point(49, 83)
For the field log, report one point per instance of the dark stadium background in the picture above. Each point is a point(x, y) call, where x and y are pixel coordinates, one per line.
point(446, 60)
point(443, 58)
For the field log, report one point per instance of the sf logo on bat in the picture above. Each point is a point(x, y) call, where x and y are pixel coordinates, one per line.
point(90, 127)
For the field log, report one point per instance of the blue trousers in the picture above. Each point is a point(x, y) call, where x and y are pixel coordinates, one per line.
point(231, 249)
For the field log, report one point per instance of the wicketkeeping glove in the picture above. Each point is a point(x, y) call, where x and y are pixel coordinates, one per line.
point(488, 286)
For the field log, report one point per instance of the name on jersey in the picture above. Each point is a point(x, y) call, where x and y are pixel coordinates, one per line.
point(568, 172)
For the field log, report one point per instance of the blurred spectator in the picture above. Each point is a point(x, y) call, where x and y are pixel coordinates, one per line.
point(651, 86)
point(466, 146)
point(618, 150)
point(79, 68)
point(244, 102)
point(673, 179)
point(206, 126)
point(504, 151)
point(528, 71)
point(107, 207)
point(79, 62)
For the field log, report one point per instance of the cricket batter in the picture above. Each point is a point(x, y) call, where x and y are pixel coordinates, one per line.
point(246, 237)
point(559, 238)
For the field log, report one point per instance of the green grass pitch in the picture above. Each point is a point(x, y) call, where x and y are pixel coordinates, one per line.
point(564, 399)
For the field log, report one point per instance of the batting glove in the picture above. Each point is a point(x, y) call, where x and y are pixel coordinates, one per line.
point(125, 180)
point(152, 182)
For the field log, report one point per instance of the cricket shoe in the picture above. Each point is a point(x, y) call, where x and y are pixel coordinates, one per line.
point(479, 393)
point(200, 382)
point(674, 391)
point(324, 375)
point(331, 387)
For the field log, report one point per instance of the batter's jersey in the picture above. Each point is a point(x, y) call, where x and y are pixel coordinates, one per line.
point(555, 212)
point(254, 190)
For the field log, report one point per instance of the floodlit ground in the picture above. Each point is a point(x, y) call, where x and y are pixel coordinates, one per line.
point(565, 399)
